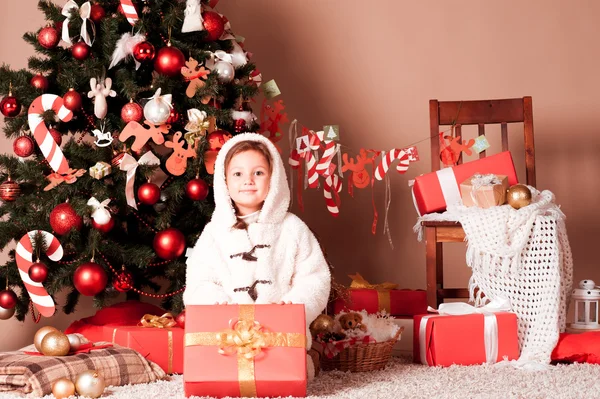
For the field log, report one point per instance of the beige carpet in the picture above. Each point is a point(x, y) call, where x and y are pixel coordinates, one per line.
point(402, 379)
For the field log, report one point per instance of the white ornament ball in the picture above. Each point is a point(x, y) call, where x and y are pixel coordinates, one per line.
point(74, 341)
point(102, 216)
point(157, 111)
point(225, 71)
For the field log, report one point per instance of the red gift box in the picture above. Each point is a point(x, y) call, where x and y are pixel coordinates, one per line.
point(432, 191)
point(450, 339)
point(163, 346)
point(245, 350)
point(394, 302)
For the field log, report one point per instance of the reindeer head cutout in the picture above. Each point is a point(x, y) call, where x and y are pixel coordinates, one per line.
point(360, 176)
point(177, 162)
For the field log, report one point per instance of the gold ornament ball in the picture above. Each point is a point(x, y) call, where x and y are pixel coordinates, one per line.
point(55, 343)
point(90, 383)
point(74, 341)
point(518, 196)
point(39, 336)
point(63, 388)
point(323, 323)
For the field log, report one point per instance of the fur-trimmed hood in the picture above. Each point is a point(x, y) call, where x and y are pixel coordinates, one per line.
point(277, 202)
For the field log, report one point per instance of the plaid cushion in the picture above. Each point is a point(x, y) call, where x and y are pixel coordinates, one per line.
point(23, 373)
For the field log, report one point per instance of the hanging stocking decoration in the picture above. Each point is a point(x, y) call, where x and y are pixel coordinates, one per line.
point(24, 258)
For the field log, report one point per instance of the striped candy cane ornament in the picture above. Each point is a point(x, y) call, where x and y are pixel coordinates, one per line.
point(330, 151)
point(129, 11)
point(331, 188)
point(41, 134)
point(311, 169)
point(23, 256)
point(384, 165)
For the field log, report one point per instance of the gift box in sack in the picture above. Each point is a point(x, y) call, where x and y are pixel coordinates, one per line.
point(433, 191)
point(381, 297)
point(245, 350)
point(467, 339)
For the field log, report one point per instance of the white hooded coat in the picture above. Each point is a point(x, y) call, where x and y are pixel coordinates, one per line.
point(293, 262)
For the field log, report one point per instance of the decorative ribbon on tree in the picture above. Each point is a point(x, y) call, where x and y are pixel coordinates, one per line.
point(84, 12)
point(24, 258)
point(43, 138)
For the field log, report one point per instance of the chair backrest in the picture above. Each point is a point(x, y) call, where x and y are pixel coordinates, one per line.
point(481, 113)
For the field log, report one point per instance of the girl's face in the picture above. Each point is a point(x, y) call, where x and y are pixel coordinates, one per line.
point(248, 180)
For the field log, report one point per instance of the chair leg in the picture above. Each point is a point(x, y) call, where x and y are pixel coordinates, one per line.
point(431, 249)
point(439, 272)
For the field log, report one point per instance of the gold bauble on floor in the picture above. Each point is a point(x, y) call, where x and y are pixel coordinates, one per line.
point(90, 383)
point(39, 336)
point(518, 196)
point(55, 343)
point(63, 388)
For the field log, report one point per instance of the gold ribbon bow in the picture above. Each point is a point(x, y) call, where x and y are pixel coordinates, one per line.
point(245, 338)
point(383, 290)
point(165, 321)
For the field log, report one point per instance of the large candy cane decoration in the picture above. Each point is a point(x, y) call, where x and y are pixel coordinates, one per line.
point(330, 150)
point(384, 165)
point(38, 294)
point(129, 11)
point(43, 138)
point(331, 188)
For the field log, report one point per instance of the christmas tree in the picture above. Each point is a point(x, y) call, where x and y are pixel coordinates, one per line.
point(116, 124)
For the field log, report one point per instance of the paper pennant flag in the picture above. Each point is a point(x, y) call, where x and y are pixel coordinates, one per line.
point(270, 89)
point(481, 144)
point(332, 132)
point(413, 154)
point(302, 144)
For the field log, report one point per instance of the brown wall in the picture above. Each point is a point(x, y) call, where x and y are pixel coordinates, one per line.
point(372, 69)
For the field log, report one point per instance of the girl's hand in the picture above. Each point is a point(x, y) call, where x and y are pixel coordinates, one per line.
point(221, 303)
point(284, 303)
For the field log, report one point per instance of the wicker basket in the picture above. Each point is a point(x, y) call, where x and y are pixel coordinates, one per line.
point(362, 357)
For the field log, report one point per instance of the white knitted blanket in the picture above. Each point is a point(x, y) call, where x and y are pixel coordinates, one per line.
point(523, 255)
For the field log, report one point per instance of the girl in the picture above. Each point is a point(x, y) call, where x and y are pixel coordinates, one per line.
point(254, 250)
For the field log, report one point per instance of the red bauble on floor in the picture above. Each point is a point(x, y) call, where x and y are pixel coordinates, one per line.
point(63, 218)
point(196, 189)
point(169, 244)
point(72, 100)
point(23, 146)
point(169, 61)
point(148, 193)
point(90, 279)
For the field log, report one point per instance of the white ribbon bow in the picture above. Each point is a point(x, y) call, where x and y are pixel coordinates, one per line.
point(192, 21)
point(84, 13)
point(197, 120)
point(220, 55)
point(167, 98)
point(100, 214)
point(460, 308)
point(129, 165)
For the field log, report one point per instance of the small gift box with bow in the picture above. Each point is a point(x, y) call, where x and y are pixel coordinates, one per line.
point(245, 351)
point(381, 297)
point(157, 338)
point(100, 170)
point(484, 191)
point(464, 335)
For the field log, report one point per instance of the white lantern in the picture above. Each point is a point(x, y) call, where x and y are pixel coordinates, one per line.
point(586, 298)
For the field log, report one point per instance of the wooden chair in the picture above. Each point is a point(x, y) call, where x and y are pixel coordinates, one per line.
point(458, 113)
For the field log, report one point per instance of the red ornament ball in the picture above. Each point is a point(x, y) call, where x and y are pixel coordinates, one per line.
point(63, 218)
point(23, 146)
point(38, 272)
point(48, 37)
point(9, 190)
point(90, 279)
point(56, 135)
point(97, 13)
point(8, 299)
point(169, 244)
point(180, 319)
point(144, 52)
point(132, 112)
point(214, 25)
point(173, 116)
point(72, 100)
point(169, 61)
point(10, 106)
point(80, 51)
point(104, 228)
point(148, 193)
point(196, 189)
point(40, 82)
point(123, 281)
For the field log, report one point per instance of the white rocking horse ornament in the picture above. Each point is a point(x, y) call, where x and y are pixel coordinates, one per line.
point(102, 139)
